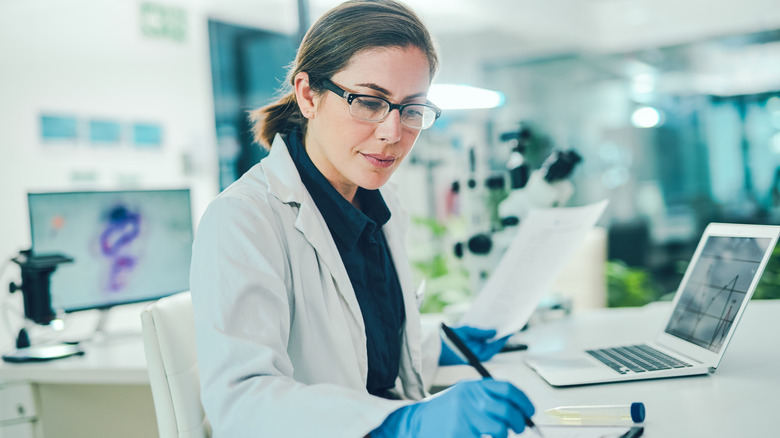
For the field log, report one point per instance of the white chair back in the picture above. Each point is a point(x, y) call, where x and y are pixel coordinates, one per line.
point(169, 342)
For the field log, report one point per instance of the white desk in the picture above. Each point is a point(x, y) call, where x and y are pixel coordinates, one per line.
point(104, 393)
point(742, 398)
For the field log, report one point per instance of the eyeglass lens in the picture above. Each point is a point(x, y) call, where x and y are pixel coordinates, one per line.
point(375, 109)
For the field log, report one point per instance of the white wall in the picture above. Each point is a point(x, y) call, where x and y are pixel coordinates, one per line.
point(89, 58)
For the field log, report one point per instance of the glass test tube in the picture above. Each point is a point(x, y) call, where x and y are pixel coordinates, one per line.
point(599, 415)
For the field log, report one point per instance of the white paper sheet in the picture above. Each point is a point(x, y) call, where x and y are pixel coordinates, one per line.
point(544, 242)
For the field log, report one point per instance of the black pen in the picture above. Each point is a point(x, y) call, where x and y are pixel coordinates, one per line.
point(634, 432)
point(474, 362)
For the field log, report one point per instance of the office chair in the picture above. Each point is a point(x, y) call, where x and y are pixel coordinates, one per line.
point(169, 342)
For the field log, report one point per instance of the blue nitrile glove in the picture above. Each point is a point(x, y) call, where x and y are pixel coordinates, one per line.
point(468, 409)
point(478, 341)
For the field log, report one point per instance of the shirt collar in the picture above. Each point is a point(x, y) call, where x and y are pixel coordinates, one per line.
point(345, 221)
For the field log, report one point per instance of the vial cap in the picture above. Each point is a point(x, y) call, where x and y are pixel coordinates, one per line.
point(638, 412)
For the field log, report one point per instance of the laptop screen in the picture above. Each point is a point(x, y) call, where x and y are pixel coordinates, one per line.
point(127, 246)
point(717, 287)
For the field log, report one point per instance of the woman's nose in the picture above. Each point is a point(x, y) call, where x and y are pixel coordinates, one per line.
point(389, 129)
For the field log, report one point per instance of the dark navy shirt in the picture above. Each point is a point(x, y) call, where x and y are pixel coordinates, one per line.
point(363, 249)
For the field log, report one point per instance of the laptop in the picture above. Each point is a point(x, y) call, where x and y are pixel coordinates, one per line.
point(717, 285)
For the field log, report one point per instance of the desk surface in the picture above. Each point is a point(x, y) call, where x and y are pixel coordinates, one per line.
point(119, 359)
point(742, 398)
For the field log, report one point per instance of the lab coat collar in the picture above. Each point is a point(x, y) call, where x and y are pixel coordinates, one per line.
point(346, 222)
point(285, 184)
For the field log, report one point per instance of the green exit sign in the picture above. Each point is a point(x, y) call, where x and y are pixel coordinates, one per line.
point(163, 22)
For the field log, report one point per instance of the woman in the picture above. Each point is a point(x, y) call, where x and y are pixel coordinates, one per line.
point(306, 318)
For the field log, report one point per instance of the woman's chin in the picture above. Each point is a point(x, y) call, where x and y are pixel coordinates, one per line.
point(374, 182)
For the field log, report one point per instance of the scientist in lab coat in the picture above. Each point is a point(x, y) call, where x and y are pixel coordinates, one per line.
point(306, 319)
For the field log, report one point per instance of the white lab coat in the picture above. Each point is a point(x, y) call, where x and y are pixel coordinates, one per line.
point(280, 336)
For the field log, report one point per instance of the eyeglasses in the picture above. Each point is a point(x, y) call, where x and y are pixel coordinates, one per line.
point(375, 109)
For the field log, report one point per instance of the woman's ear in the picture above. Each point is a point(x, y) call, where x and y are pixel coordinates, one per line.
point(304, 95)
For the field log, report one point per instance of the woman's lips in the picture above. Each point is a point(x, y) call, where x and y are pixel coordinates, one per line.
point(383, 161)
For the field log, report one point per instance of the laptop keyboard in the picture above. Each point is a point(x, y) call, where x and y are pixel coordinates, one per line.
point(636, 358)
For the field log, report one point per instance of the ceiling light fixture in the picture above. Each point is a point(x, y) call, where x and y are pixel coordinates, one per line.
point(451, 96)
point(646, 117)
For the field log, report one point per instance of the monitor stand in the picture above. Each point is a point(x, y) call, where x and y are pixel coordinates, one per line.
point(101, 335)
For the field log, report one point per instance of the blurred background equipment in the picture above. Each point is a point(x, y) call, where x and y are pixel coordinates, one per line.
point(116, 248)
point(36, 282)
point(493, 210)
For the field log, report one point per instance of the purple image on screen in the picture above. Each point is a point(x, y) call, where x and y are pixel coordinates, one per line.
point(122, 229)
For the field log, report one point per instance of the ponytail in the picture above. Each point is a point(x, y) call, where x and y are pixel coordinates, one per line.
point(279, 117)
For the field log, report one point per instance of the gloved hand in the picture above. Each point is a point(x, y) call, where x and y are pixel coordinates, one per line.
point(467, 409)
point(478, 341)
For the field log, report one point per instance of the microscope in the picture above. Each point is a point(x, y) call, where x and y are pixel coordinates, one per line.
point(548, 186)
point(35, 288)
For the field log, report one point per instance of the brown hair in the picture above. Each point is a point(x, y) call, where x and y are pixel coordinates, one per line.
point(330, 44)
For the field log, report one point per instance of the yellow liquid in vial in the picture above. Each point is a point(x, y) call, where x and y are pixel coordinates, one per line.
point(592, 415)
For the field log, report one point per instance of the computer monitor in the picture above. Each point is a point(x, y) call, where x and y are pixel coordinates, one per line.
point(128, 246)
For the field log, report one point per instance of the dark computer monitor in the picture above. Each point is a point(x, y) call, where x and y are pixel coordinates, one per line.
point(127, 246)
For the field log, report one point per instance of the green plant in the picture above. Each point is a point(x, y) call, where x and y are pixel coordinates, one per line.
point(446, 279)
point(769, 286)
point(445, 284)
point(629, 286)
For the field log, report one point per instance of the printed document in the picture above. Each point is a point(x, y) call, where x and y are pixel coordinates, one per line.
point(544, 242)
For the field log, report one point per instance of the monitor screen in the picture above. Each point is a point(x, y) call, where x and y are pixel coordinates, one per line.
point(128, 246)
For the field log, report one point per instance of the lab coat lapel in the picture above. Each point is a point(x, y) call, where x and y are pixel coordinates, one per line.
point(394, 231)
point(394, 235)
point(285, 183)
point(313, 227)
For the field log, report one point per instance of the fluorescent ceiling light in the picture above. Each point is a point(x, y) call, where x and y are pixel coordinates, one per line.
point(646, 117)
point(451, 96)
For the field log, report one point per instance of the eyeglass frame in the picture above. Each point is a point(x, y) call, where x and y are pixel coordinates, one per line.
point(349, 97)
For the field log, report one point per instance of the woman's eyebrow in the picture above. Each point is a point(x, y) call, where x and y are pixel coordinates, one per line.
point(387, 93)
